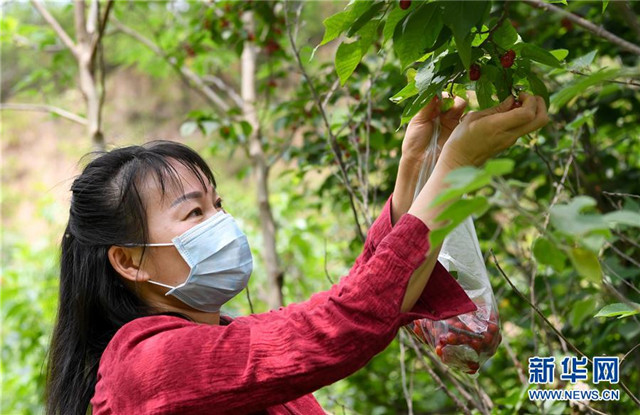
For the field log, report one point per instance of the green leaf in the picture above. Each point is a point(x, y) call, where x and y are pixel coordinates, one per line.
point(559, 54)
point(467, 179)
point(623, 217)
point(392, 20)
point(424, 75)
point(461, 16)
point(188, 128)
point(587, 264)
point(347, 59)
point(423, 99)
point(364, 18)
point(505, 36)
point(484, 92)
point(560, 98)
point(538, 54)
point(464, 49)
point(538, 87)
point(406, 92)
point(499, 167)
point(619, 309)
point(335, 25)
point(605, 3)
point(581, 310)
point(585, 117)
point(582, 62)
point(417, 33)
point(455, 213)
point(368, 35)
point(568, 219)
point(547, 253)
point(446, 105)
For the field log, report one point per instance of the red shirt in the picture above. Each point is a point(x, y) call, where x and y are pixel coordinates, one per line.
point(272, 362)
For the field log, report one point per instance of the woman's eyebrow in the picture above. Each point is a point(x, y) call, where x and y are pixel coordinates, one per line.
point(187, 196)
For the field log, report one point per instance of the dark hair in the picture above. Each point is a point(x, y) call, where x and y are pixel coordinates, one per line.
point(107, 209)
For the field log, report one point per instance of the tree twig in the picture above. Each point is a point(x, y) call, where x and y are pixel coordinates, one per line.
point(439, 381)
point(197, 83)
point(56, 27)
point(403, 373)
point(46, 108)
point(101, 28)
point(555, 330)
point(331, 137)
point(596, 30)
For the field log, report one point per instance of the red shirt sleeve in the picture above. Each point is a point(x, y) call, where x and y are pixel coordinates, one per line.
point(442, 298)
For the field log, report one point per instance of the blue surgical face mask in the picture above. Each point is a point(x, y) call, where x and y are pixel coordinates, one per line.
point(220, 259)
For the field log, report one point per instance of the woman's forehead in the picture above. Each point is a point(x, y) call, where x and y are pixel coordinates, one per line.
point(166, 186)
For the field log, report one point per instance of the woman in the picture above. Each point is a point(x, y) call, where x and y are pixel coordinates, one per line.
point(149, 256)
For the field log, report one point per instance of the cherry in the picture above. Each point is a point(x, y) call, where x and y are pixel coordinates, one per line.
point(251, 37)
point(442, 340)
point(439, 350)
point(493, 328)
point(405, 4)
point(452, 338)
point(507, 59)
point(567, 24)
point(516, 104)
point(272, 83)
point(224, 23)
point(474, 72)
point(476, 344)
point(271, 47)
point(189, 49)
point(418, 331)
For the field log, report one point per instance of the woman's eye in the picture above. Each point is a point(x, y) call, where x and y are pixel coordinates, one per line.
point(195, 212)
point(218, 204)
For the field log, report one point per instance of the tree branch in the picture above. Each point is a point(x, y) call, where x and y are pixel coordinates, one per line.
point(101, 28)
point(331, 137)
point(56, 27)
point(555, 330)
point(196, 82)
point(82, 36)
point(223, 86)
point(46, 108)
point(596, 30)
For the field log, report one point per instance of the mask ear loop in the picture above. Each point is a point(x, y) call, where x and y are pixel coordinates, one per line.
point(429, 163)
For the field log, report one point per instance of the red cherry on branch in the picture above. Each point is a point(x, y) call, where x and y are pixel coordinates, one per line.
point(405, 4)
point(507, 59)
point(474, 72)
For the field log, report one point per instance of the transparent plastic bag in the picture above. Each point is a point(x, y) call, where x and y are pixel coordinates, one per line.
point(466, 341)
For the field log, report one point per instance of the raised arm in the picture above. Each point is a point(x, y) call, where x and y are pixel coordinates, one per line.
point(480, 136)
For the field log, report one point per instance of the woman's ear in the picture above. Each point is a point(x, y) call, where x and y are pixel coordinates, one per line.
point(126, 262)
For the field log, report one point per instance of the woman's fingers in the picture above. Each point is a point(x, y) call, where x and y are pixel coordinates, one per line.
point(517, 117)
point(427, 113)
point(504, 106)
point(540, 119)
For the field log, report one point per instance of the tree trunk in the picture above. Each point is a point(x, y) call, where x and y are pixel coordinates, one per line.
point(260, 169)
point(87, 69)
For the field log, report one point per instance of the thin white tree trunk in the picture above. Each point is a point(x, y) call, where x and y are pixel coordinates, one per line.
point(260, 168)
point(87, 72)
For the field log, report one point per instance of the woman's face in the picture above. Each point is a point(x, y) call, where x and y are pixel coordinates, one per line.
point(169, 215)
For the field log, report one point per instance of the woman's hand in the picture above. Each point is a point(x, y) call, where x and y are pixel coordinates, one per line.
point(483, 134)
point(414, 146)
point(421, 126)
